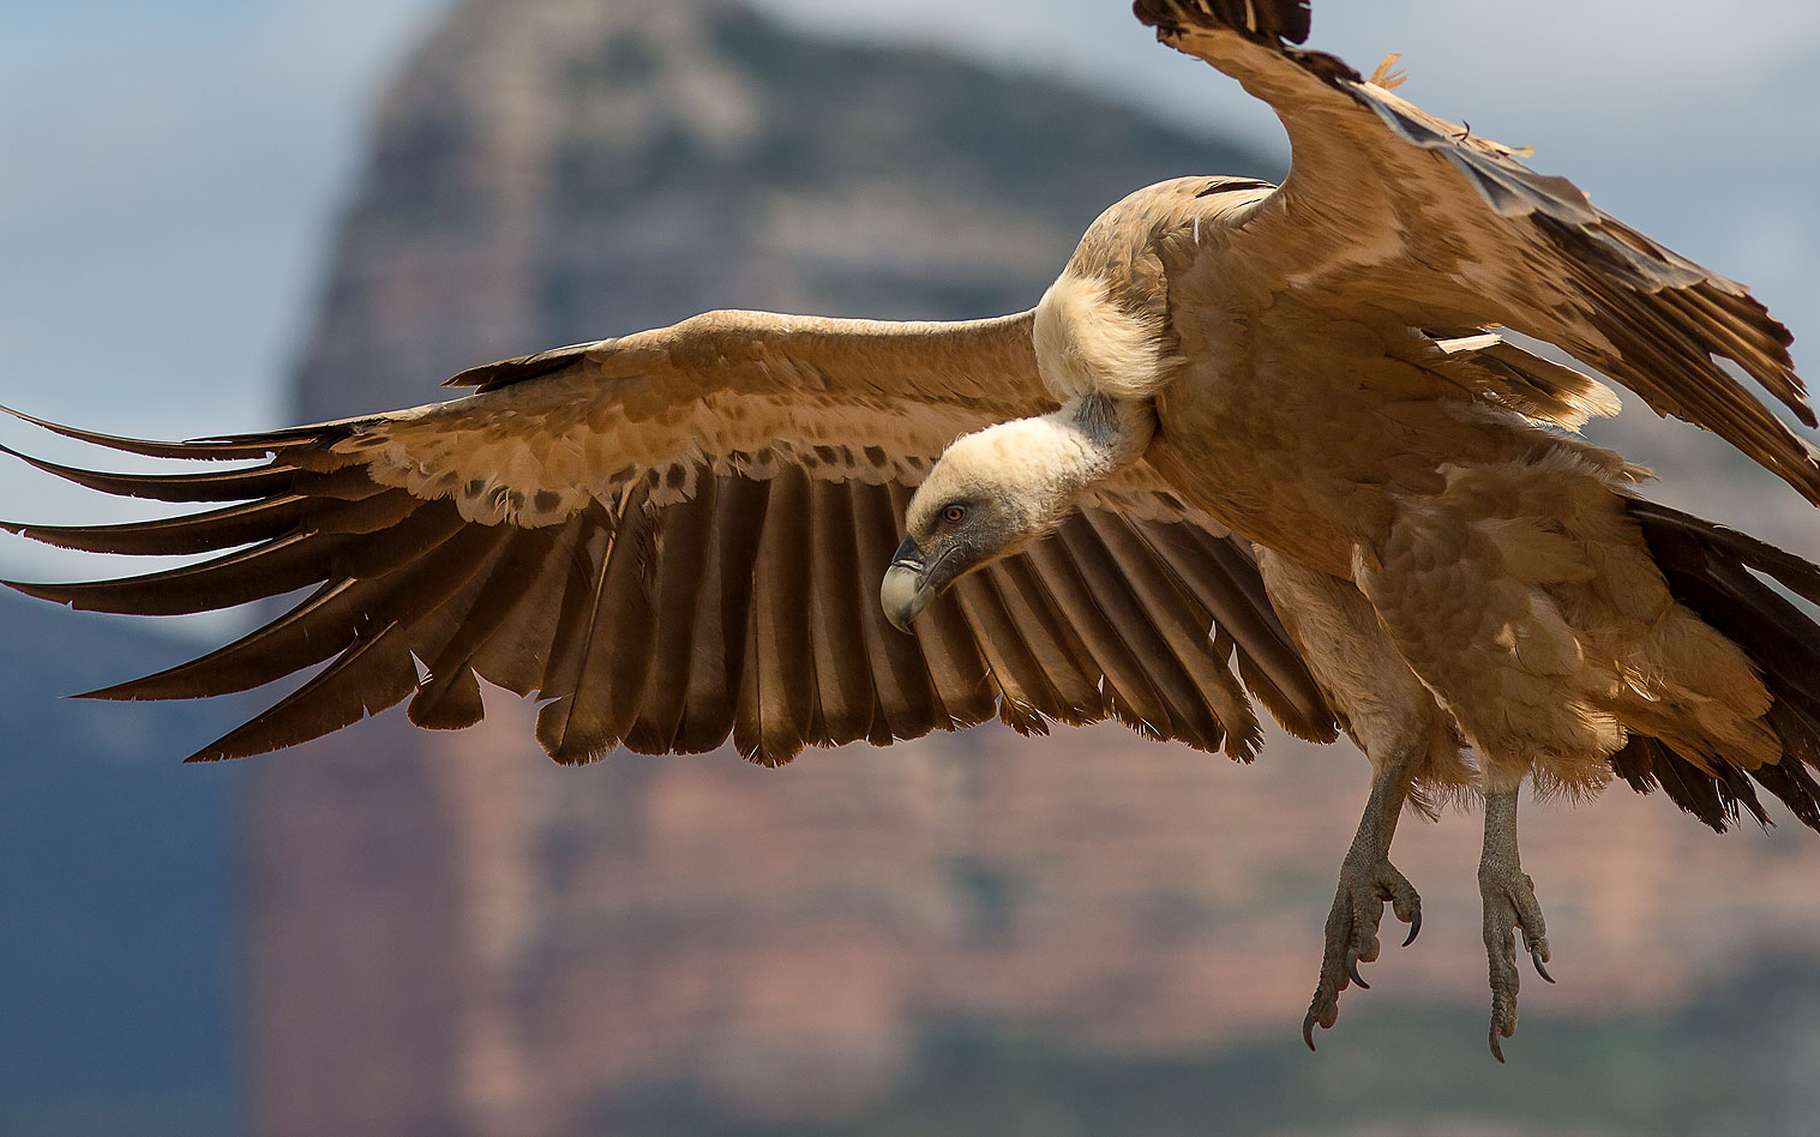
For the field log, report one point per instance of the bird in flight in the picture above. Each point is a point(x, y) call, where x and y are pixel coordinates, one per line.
point(1256, 442)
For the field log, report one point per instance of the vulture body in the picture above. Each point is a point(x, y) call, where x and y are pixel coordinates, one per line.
point(1255, 441)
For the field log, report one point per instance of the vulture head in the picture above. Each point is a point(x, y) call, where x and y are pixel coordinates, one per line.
point(998, 489)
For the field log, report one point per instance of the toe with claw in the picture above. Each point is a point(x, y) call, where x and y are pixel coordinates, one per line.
point(1510, 907)
point(1367, 883)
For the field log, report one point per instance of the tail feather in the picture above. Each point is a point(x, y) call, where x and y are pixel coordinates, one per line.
point(1715, 798)
point(1711, 570)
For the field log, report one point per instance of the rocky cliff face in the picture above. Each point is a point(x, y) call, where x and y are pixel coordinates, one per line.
point(558, 170)
point(453, 935)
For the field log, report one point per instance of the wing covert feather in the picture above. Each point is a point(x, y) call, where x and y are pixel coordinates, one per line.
point(670, 540)
point(1389, 209)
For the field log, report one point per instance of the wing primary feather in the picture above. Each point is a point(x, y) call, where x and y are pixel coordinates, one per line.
point(214, 530)
point(1268, 661)
point(1187, 717)
point(322, 624)
point(1234, 556)
point(254, 574)
point(907, 703)
point(250, 446)
point(684, 532)
point(430, 635)
point(777, 684)
point(1024, 699)
point(375, 537)
point(298, 639)
point(1287, 711)
point(718, 641)
point(843, 666)
point(217, 529)
point(243, 484)
point(1762, 355)
point(370, 677)
point(450, 693)
point(632, 598)
point(375, 673)
point(583, 724)
point(1185, 629)
point(577, 624)
point(517, 654)
point(1131, 696)
point(206, 532)
point(1052, 647)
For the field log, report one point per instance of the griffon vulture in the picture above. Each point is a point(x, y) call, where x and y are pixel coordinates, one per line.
point(676, 536)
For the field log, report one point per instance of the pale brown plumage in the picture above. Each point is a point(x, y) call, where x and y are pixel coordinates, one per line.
point(675, 537)
point(1343, 404)
point(1436, 219)
point(1340, 404)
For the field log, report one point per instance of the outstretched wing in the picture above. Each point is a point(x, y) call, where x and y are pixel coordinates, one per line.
point(676, 537)
point(1390, 209)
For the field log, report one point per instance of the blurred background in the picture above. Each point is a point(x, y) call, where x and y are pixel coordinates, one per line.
point(228, 214)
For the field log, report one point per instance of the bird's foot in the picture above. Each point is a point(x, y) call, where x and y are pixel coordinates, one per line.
point(1367, 882)
point(1510, 905)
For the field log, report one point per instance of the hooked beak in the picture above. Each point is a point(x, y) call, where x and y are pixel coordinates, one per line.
point(905, 590)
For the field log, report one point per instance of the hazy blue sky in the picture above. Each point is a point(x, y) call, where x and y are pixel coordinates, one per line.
point(172, 169)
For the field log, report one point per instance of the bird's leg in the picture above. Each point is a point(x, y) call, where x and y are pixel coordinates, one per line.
point(1367, 881)
point(1509, 897)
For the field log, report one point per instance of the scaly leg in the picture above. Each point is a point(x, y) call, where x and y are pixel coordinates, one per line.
point(1509, 897)
point(1367, 881)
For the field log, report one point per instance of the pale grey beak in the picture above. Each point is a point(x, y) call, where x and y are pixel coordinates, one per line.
point(905, 590)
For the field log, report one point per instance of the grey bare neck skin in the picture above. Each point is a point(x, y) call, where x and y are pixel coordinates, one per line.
point(1119, 430)
point(997, 490)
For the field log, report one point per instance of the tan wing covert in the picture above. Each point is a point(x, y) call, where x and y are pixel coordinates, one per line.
point(677, 538)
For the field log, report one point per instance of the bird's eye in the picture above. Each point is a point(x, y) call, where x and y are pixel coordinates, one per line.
point(954, 514)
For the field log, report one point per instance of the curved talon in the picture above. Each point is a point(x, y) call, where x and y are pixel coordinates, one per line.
point(1535, 957)
point(1496, 1050)
point(1368, 881)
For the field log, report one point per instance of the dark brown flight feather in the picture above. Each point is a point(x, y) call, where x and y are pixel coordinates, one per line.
point(743, 608)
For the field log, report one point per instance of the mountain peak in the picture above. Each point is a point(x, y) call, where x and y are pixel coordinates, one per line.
point(546, 171)
point(512, 61)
